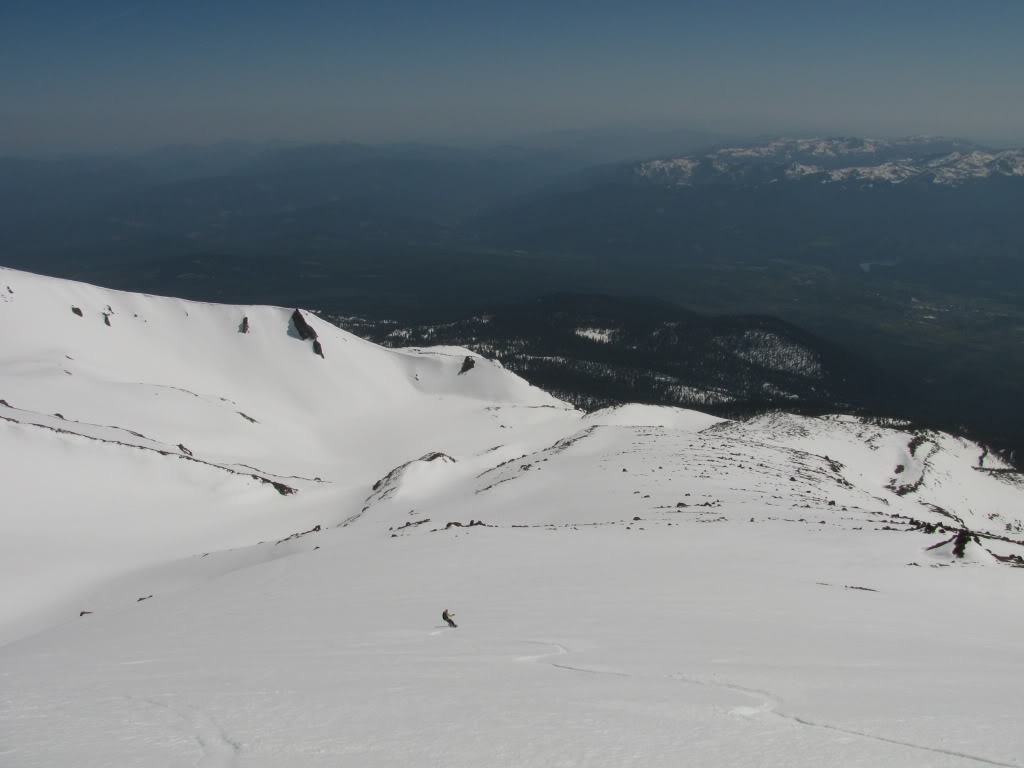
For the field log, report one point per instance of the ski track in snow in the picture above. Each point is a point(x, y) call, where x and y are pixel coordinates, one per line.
point(218, 749)
point(886, 740)
point(768, 706)
point(560, 650)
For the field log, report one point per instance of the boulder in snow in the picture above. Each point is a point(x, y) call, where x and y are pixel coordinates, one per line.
point(963, 547)
point(303, 328)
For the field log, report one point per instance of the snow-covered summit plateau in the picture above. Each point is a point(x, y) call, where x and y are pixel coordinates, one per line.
point(228, 534)
point(947, 162)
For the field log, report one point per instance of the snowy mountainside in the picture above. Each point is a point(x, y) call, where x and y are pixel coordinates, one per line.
point(821, 470)
point(831, 160)
point(109, 361)
point(221, 548)
point(101, 390)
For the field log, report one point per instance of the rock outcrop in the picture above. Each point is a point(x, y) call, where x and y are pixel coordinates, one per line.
point(307, 332)
point(304, 329)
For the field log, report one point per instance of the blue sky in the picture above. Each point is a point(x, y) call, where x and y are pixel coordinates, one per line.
point(108, 75)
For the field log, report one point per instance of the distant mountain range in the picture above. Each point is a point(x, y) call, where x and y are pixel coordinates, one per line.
point(184, 200)
point(908, 252)
point(838, 160)
point(829, 202)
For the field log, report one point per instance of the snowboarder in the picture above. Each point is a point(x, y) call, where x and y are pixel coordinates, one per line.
point(449, 619)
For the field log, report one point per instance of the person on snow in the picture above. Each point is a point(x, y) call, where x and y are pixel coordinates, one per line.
point(449, 619)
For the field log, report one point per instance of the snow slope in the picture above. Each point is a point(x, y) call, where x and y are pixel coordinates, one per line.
point(638, 586)
point(160, 435)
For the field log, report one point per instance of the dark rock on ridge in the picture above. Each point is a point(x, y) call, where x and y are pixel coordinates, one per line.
point(305, 330)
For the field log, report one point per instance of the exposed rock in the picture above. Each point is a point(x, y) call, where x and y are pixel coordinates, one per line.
point(143, 598)
point(304, 329)
point(183, 449)
point(83, 613)
point(470, 524)
point(903, 490)
point(247, 417)
point(1014, 560)
point(106, 319)
point(960, 544)
point(435, 455)
point(284, 490)
point(412, 524)
point(467, 365)
point(244, 327)
point(5, 403)
point(77, 311)
point(391, 478)
point(300, 534)
point(318, 348)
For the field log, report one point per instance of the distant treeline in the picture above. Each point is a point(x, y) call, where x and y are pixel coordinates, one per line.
point(598, 351)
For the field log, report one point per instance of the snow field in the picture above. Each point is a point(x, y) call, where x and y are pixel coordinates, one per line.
point(590, 647)
point(644, 586)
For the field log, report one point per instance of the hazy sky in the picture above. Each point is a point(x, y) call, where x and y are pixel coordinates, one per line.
point(102, 74)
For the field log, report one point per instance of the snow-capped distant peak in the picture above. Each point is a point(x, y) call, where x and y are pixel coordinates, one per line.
point(933, 160)
point(677, 170)
point(798, 170)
